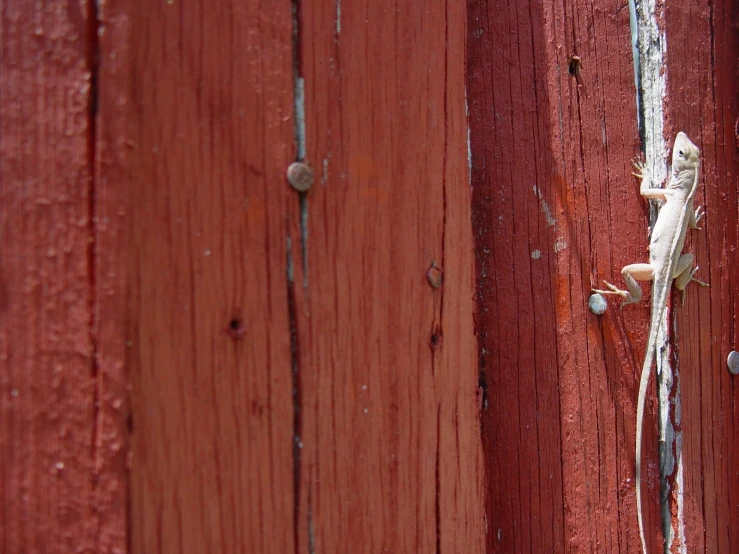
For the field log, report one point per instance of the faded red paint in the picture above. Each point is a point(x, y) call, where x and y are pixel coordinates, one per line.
point(211, 128)
point(555, 210)
point(373, 444)
point(703, 87)
point(392, 459)
point(557, 425)
point(63, 439)
point(187, 153)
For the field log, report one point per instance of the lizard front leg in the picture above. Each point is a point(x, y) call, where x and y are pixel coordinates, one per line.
point(631, 274)
point(647, 188)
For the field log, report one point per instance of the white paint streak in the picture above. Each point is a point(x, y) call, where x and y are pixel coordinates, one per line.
point(300, 116)
point(635, 55)
point(551, 222)
point(652, 75)
point(652, 49)
point(338, 17)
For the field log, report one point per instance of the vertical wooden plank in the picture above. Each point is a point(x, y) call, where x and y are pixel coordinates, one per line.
point(553, 127)
point(702, 85)
point(550, 151)
point(389, 451)
point(377, 445)
point(55, 475)
point(210, 359)
point(110, 201)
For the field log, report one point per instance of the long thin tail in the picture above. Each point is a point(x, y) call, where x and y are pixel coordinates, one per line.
point(643, 385)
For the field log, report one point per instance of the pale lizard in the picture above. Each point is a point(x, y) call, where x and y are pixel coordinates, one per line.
point(665, 264)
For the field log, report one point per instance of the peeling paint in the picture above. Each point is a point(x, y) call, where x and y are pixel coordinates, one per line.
point(635, 55)
point(300, 117)
point(536, 254)
point(338, 17)
point(324, 176)
point(652, 86)
point(551, 222)
point(651, 75)
point(680, 497)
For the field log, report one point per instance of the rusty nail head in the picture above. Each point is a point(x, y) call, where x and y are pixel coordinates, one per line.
point(300, 176)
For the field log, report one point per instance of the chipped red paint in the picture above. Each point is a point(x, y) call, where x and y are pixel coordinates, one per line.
point(555, 210)
point(63, 410)
point(336, 407)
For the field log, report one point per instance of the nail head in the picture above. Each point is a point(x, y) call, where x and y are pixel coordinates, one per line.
point(300, 176)
point(597, 304)
point(733, 362)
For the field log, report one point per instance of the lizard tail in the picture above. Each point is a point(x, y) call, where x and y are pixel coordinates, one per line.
point(643, 385)
point(659, 303)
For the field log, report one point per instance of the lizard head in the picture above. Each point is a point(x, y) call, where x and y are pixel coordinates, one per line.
point(685, 154)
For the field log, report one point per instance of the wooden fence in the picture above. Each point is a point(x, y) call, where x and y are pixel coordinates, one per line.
point(194, 357)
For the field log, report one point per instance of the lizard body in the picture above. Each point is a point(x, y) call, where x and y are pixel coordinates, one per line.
point(665, 265)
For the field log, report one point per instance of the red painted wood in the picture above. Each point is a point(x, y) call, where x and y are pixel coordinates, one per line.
point(554, 212)
point(375, 445)
point(391, 458)
point(309, 375)
point(111, 201)
point(62, 479)
point(209, 329)
point(703, 86)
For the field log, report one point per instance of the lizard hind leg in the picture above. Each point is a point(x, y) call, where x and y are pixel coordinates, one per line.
point(684, 274)
point(631, 274)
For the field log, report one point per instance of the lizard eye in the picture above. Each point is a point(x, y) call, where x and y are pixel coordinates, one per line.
point(680, 153)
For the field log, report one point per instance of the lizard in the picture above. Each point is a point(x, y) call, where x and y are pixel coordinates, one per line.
point(666, 264)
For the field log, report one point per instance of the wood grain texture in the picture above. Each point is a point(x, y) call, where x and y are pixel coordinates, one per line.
point(340, 415)
point(59, 487)
point(391, 459)
point(110, 202)
point(209, 330)
point(555, 210)
point(315, 373)
point(703, 87)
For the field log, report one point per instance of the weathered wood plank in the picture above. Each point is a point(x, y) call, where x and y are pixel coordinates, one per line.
point(377, 446)
point(111, 202)
point(57, 480)
point(390, 457)
point(553, 127)
point(702, 91)
point(210, 353)
point(550, 166)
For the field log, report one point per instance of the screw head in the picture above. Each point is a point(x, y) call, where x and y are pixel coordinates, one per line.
point(300, 176)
